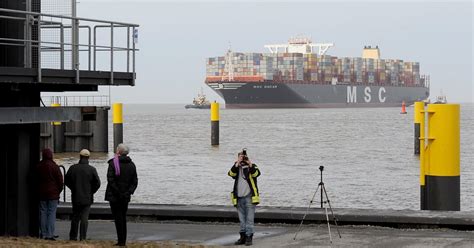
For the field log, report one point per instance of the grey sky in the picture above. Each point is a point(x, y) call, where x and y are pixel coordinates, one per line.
point(176, 37)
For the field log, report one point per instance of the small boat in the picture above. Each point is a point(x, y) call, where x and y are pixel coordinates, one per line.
point(441, 100)
point(200, 102)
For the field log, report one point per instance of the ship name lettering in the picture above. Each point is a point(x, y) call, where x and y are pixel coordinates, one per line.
point(367, 96)
point(382, 98)
point(265, 86)
point(351, 94)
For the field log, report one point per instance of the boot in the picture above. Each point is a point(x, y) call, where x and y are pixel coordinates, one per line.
point(241, 241)
point(248, 240)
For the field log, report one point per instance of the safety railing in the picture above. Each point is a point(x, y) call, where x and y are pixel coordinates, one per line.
point(74, 101)
point(70, 41)
point(64, 185)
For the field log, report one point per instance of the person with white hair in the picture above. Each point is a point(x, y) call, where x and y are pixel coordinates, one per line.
point(122, 182)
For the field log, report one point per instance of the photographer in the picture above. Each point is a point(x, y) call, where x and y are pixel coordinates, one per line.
point(245, 195)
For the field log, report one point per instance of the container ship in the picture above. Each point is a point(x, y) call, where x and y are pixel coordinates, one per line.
point(300, 74)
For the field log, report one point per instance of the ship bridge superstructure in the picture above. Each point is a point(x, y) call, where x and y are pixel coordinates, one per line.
point(302, 45)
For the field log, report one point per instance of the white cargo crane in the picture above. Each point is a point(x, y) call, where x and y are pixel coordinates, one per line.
point(229, 66)
point(300, 45)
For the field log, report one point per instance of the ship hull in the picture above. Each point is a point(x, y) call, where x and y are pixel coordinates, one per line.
point(310, 95)
point(193, 106)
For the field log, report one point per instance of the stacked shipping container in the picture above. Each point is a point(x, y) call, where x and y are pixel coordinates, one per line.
point(284, 66)
point(314, 68)
point(310, 68)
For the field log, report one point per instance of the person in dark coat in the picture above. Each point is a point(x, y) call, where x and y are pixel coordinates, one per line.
point(122, 181)
point(50, 186)
point(83, 181)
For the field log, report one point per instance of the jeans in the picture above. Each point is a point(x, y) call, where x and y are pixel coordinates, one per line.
point(47, 211)
point(80, 214)
point(119, 211)
point(246, 212)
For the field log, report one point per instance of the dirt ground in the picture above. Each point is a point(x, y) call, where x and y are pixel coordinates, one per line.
point(37, 243)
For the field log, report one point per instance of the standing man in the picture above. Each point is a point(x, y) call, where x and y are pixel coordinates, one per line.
point(122, 181)
point(50, 186)
point(245, 195)
point(83, 181)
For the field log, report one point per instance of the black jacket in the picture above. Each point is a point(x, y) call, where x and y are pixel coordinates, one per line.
point(251, 175)
point(83, 181)
point(121, 187)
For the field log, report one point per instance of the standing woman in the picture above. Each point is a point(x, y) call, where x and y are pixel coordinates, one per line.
point(50, 186)
point(122, 181)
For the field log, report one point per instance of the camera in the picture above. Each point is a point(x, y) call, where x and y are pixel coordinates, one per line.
point(245, 159)
point(244, 152)
point(321, 168)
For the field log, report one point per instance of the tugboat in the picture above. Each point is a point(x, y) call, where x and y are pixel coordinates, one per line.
point(200, 102)
point(441, 99)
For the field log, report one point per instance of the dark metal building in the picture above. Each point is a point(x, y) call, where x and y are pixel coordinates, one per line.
point(45, 52)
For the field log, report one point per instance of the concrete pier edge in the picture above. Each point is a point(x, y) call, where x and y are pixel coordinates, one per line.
point(289, 215)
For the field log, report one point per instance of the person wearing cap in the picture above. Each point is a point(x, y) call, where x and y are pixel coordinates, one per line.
point(122, 181)
point(83, 181)
point(50, 186)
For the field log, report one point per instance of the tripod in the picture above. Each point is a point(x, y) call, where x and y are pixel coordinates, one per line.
point(323, 204)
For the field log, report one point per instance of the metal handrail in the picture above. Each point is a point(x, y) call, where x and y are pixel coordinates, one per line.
point(59, 43)
point(33, 19)
point(12, 18)
point(128, 49)
point(98, 101)
point(66, 17)
point(64, 185)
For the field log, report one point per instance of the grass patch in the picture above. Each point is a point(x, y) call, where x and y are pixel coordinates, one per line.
point(40, 243)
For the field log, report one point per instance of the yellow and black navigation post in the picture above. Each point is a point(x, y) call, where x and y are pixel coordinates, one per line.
point(440, 158)
point(118, 124)
point(419, 106)
point(58, 133)
point(420, 111)
point(215, 123)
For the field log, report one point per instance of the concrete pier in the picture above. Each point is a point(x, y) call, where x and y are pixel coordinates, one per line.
point(291, 215)
point(74, 136)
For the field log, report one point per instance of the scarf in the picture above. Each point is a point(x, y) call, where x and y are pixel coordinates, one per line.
point(116, 165)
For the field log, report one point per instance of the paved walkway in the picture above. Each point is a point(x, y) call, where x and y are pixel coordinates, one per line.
point(460, 220)
point(224, 234)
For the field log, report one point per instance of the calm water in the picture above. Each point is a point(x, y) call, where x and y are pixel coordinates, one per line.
point(367, 154)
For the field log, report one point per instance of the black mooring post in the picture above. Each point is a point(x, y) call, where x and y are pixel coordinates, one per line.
point(417, 138)
point(417, 118)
